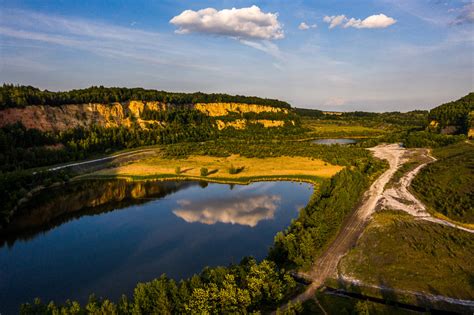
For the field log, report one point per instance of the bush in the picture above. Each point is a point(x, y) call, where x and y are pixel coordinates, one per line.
point(204, 171)
point(232, 169)
point(235, 170)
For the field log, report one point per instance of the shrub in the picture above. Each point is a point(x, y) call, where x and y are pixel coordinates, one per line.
point(235, 170)
point(204, 171)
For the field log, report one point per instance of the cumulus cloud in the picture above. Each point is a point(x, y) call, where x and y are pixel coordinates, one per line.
point(334, 20)
point(244, 23)
point(303, 26)
point(466, 16)
point(373, 21)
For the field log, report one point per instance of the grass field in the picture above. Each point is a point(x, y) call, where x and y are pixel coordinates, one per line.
point(447, 185)
point(333, 129)
point(219, 168)
point(397, 251)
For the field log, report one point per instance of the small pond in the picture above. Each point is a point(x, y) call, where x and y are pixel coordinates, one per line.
point(105, 236)
point(335, 141)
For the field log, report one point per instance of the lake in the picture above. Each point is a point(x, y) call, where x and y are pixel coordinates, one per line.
point(104, 237)
point(335, 141)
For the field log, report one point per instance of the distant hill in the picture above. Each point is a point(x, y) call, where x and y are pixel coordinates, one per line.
point(455, 117)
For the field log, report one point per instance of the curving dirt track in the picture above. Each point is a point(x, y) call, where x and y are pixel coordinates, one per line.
point(121, 157)
point(326, 265)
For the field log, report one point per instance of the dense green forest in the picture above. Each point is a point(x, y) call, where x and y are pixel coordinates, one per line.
point(446, 185)
point(25, 148)
point(243, 288)
point(454, 113)
point(20, 96)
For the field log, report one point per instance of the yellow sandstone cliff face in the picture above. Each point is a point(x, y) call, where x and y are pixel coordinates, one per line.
point(60, 118)
point(223, 109)
point(64, 117)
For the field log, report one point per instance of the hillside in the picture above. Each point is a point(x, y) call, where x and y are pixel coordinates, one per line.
point(454, 117)
point(20, 96)
point(121, 107)
point(445, 186)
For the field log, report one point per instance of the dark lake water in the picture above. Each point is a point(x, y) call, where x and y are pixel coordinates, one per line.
point(335, 141)
point(105, 236)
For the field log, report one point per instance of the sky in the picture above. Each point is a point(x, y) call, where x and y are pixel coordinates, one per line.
point(380, 55)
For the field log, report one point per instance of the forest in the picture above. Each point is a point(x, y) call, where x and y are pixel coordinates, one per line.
point(244, 288)
point(20, 96)
point(446, 185)
point(456, 113)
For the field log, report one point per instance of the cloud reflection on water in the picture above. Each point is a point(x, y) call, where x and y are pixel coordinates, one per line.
point(235, 210)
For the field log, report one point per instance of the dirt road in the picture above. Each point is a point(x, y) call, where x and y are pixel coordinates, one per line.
point(124, 155)
point(326, 265)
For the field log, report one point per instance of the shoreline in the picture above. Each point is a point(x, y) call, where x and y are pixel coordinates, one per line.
point(315, 181)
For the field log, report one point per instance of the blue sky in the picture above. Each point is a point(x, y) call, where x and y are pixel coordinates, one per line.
point(348, 55)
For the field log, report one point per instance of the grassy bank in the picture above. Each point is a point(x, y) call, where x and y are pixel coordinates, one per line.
point(400, 252)
point(231, 169)
point(446, 186)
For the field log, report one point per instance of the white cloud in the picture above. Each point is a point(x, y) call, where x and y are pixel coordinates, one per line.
point(303, 26)
point(373, 21)
point(246, 23)
point(466, 15)
point(334, 20)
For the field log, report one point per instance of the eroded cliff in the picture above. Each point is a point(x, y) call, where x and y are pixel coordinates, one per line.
point(64, 117)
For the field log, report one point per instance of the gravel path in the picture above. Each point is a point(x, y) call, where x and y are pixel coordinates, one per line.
point(326, 265)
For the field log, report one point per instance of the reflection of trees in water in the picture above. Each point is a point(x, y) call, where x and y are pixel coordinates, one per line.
point(236, 210)
point(56, 206)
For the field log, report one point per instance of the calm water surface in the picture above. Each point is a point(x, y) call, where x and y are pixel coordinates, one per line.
point(335, 141)
point(105, 236)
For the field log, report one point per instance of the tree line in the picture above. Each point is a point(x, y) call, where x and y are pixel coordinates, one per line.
point(244, 288)
point(456, 113)
point(20, 96)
